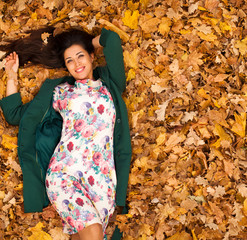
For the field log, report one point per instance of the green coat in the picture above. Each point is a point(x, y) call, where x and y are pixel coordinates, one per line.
point(40, 127)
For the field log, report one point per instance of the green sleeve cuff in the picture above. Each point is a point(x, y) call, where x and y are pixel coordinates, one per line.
point(10, 101)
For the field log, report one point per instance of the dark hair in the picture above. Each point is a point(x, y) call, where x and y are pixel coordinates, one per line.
point(33, 50)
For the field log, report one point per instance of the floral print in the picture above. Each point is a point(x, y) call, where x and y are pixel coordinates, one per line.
point(81, 178)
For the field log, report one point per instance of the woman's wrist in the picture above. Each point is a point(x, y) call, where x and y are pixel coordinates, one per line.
point(96, 42)
point(12, 76)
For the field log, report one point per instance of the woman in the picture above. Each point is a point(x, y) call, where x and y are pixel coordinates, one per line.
point(74, 135)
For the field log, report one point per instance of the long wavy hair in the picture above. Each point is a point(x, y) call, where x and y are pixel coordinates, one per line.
point(34, 51)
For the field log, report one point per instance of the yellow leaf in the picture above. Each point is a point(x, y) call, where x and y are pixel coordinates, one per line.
point(146, 229)
point(242, 46)
point(179, 236)
point(2, 194)
point(202, 93)
point(207, 37)
point(240, 124)
point(222, 134)
point(133, 6)
point(131, 59)
point(144, 3)
point(131, 20)
point(38, 234)
point(34, 16)
point(202, 8)
point(9, 142)
point(19, 187)
point(193, 234)
point(185, 31)
point(123, 35)
point(225, 27)
point(131, 74)
point(165, 25)
point(161, 138)
point(245, 207)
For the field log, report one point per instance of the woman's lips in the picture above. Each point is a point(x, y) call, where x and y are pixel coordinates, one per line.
point(79, 70)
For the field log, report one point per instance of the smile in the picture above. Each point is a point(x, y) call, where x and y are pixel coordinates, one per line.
point(79, 70)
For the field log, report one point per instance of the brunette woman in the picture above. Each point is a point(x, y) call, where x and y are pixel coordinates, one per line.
point(73, 141)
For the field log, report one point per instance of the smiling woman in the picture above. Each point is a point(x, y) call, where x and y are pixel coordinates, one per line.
point(79, 62)
point(70, 147)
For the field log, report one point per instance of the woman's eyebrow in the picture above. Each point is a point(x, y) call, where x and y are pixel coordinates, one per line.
point(76, 54)
point(79, 53)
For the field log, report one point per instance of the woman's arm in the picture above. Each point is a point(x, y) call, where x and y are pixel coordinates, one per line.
point(95, 42)
point(112, 49)
point(11, 68)
point(12, 106)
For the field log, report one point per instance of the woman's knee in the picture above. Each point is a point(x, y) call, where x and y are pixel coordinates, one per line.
point(92, 232)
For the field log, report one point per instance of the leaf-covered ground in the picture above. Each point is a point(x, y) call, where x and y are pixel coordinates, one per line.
point(187, 101)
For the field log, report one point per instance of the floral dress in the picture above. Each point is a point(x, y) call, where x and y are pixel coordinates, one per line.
point(81, 178)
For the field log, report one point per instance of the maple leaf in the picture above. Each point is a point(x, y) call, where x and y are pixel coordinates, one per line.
point(131, 59)
point(239, 126)
point(45, 37)
point(58, 234)
point(9, 142)
point(165, 25)
point(114, 28)
point(38, 233)
point(194, 59)
point(180, 235)
point(223, 136)
point(242, 46)
point(149, 24)
point(131, 19)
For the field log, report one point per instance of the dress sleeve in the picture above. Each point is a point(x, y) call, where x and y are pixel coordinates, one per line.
point(13, 108)
point(114, 57)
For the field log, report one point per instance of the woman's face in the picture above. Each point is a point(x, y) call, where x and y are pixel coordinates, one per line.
point(79, 62)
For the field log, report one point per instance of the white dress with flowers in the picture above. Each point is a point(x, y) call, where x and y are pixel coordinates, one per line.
point(81, 178)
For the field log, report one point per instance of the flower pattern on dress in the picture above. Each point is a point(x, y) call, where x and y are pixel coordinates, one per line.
point(81, 178)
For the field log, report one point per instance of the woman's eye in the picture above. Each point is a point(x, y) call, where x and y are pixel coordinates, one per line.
point(81, 55)
point(69, 61)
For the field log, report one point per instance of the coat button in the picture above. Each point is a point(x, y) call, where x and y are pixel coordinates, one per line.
point(118, 153)
point(118, 120)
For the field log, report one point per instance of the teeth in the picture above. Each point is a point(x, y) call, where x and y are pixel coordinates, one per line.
point(80, 69)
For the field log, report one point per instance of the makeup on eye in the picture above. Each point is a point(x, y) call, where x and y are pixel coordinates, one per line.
point(79, 54)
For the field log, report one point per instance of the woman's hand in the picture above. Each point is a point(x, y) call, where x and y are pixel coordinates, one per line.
point(11, 68)
point(12, 63)
point(95, 42)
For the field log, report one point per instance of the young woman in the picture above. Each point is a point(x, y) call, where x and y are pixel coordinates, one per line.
point(73, 141)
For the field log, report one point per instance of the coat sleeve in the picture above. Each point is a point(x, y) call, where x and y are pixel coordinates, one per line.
point(13, 108)
point(114, 57)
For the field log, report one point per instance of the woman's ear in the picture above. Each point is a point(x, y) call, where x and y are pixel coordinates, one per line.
point(92, 56)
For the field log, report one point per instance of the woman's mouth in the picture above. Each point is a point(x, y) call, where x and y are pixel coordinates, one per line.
point(79, 70)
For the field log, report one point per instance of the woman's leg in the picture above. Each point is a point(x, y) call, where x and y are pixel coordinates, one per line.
point(75, 236)
point(92, 232)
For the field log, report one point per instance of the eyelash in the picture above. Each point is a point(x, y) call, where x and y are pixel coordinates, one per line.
point(78, 57)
